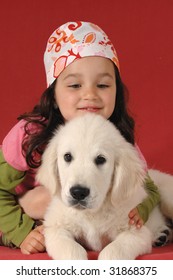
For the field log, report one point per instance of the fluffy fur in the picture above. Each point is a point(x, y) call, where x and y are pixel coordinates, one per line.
point(95, 178)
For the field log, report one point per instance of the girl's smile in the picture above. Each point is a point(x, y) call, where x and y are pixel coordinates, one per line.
point(90, 109)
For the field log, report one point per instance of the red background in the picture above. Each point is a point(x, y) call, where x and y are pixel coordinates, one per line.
point(142, 32)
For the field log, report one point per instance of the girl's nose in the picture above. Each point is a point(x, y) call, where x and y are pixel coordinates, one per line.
point(90, 93)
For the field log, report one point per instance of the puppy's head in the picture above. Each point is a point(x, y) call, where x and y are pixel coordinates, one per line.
point(86, 159)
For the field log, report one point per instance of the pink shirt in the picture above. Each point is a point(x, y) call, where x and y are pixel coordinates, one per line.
point(12, 151)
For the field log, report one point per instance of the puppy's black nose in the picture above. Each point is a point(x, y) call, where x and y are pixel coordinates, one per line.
point(79, 192)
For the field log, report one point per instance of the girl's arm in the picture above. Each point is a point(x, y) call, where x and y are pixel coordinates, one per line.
point(140, 214)
point(14, 224)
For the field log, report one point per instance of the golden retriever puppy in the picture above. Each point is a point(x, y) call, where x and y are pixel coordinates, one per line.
point(95, 178)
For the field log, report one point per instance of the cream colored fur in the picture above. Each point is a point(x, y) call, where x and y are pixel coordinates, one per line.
point(99, 223)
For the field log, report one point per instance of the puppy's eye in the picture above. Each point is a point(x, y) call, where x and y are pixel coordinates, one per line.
point(99, 160)
point(68, 157)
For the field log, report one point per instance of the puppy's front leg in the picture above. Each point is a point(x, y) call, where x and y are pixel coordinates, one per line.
point(60, 245)
point(128, 245)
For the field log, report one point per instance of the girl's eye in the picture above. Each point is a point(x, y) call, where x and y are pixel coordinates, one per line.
point(102, 86)
point(75, 86)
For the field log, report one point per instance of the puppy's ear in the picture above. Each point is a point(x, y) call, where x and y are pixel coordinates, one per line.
point(129, 173)
point(47, 174)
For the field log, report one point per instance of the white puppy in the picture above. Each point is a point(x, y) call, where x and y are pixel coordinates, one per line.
point(95, 178)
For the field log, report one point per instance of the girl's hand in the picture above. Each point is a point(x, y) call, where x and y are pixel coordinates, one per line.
point(135, 219)
point(34, 242)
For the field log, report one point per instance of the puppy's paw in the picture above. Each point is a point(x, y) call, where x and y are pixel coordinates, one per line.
point(111, 252)
point(163, 237)
point(75, 253)
point(79, 253)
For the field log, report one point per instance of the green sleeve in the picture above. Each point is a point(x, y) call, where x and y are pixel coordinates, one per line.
point(14, 224)
point(150, 201)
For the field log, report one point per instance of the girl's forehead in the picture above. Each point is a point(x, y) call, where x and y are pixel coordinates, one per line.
point(98, 66)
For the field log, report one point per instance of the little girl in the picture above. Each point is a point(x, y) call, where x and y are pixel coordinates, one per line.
point(83, 74)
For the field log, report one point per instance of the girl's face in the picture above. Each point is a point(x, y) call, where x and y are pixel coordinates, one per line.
point(86, 85)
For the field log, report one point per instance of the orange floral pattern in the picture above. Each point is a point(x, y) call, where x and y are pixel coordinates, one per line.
point(75, 40)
